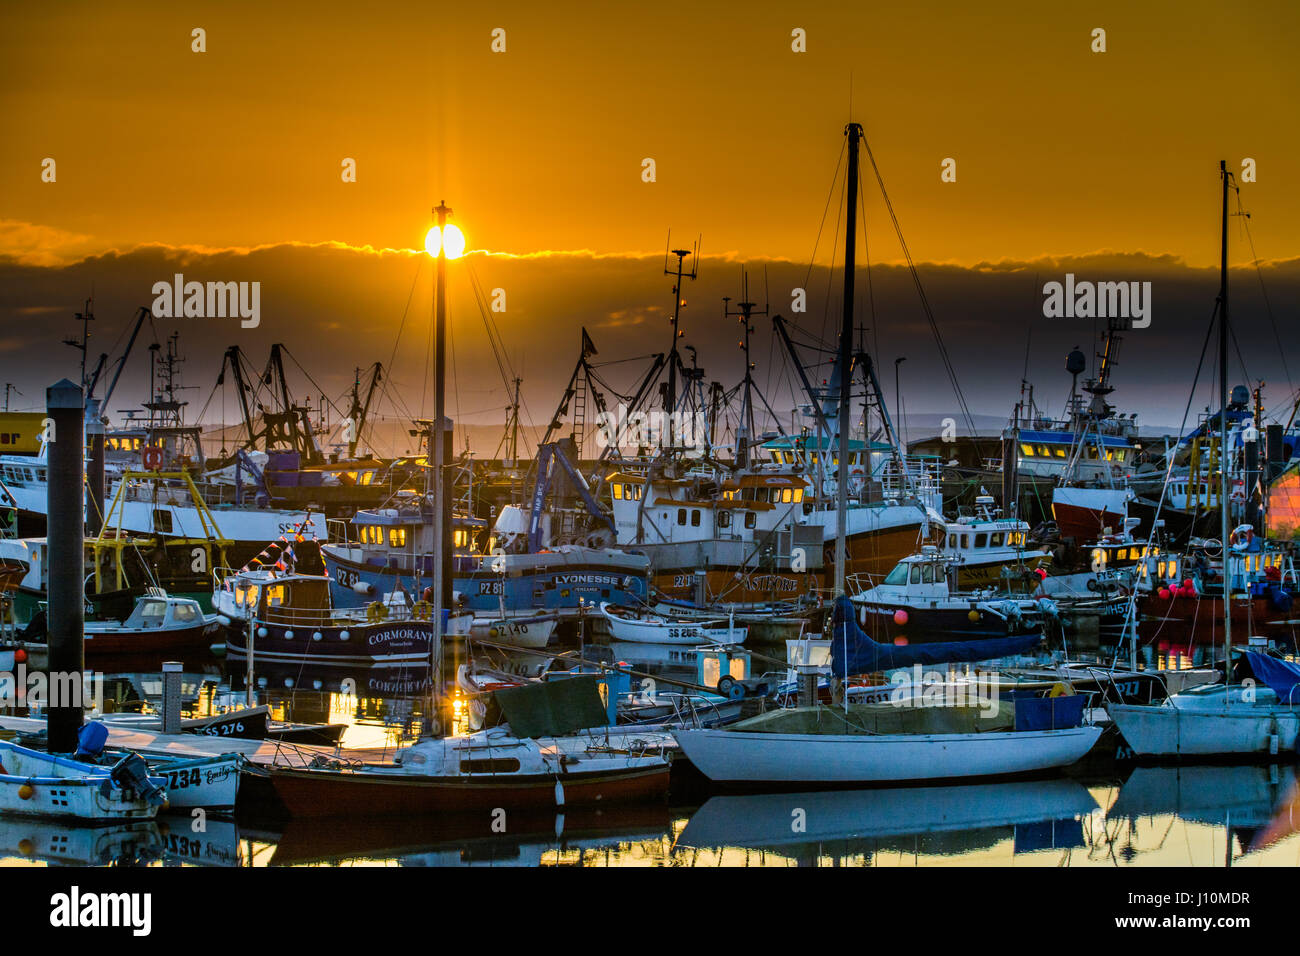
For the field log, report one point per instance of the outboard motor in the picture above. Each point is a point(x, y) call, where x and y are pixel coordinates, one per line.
point(131, 773)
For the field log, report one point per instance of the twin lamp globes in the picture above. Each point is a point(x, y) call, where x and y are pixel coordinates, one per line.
point(449, 234)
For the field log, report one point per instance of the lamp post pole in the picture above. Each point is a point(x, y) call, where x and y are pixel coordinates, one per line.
point(441, 582)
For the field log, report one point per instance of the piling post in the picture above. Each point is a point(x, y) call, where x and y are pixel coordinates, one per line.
point(94, 469)
point(171, 699)
point(66, 536)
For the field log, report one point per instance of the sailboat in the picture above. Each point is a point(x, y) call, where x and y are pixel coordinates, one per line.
point(1226, 718)
point(871, 743)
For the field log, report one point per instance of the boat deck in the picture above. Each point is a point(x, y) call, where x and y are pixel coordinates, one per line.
point(260, 752)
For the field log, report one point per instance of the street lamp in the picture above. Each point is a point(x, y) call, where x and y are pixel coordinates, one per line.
point(444, 241)
point(898, 407)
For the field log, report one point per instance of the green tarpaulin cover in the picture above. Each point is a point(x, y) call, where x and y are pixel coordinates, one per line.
point(553, 708)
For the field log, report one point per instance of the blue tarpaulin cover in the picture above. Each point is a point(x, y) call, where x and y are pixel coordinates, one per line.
point(1282, 676)
point(853, 652)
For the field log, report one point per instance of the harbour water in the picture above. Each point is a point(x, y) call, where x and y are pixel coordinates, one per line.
point(1101, 813)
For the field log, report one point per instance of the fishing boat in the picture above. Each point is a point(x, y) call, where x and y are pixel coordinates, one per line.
point(917, 601)
point(290, 616)
point(42, 785)
point(639, 627)
point(990, 550)
point(159, 624)
point(395, 544)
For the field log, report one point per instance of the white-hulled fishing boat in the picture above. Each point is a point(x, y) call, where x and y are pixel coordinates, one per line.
point(36, 784)
point(626, 624)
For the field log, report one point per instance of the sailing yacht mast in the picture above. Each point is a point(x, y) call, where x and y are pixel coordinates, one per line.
point(854, 133)
point(1224, 501)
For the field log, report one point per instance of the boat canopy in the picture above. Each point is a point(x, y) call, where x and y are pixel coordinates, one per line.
point(853, 652)
point(1282, 677)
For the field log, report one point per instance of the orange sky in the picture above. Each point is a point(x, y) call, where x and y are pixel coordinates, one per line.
point(1059, 150)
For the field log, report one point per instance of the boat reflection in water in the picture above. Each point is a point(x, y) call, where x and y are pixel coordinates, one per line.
point(1255, 807)
point(942, 821)
point(519, 838)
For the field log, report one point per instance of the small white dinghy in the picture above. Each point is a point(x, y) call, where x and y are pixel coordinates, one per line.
point(208, 782)
point(528, 632)
point(37, 784)
point(626, 624)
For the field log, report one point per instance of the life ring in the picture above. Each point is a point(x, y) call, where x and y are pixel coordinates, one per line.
point(376, 612)
point(1241, 537)
point(422, 611)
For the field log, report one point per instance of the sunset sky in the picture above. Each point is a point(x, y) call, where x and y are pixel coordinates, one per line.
point(170, 161)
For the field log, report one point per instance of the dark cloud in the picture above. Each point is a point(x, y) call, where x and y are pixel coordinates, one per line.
point(336, 307)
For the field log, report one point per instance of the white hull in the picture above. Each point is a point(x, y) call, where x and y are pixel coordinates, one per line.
point(731, 756)
point(665, 631)
point(1168, 731)
point(522, 632)
point(208, 782)
point(35, 785)
point(249, 525)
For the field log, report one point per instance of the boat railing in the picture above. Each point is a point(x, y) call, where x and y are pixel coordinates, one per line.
point(333, 617)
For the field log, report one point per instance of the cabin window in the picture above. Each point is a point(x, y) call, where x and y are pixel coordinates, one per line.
point(460, 538)
point(724, 519)
point(898, 576)
point(185, 612)
point(162, 521)
point(397, 537)
point(981, 540)
point(695, 517)
point(787, 496)
point(153, 612)
point(750, 520)
point(995, 540)
point(490, 765)
point(916, 574)
point(618, 492)
point(1027, 450)
point(927, 574)
point(952, 541)
point(798, 495)
point(681, 516)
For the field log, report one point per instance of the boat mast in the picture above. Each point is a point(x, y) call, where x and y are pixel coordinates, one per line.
point(854, 133)
point(674, 357)
point(1223, 429)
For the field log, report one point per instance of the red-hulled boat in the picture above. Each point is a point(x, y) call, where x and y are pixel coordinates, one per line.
point(484, 770)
